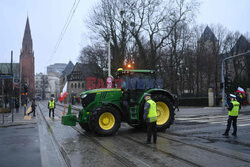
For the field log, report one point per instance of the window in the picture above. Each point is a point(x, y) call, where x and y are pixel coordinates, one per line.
point(71, 85)
point(78, 85)
point(75, 85)
point(83, 85)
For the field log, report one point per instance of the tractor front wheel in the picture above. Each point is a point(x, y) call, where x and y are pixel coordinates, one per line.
point(105, 120)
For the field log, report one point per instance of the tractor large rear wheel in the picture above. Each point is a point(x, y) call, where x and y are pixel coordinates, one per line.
point(165, 111)
point(105, 120)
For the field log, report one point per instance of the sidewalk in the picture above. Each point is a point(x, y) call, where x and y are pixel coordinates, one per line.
point(18, 118)
point(19, 141)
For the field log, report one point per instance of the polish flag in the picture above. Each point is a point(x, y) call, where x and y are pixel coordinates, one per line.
point(63, 93)
point(241, 90)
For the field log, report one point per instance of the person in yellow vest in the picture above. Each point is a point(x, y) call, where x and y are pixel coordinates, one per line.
point(51, 106)
point(233, 112)
point(150, 116)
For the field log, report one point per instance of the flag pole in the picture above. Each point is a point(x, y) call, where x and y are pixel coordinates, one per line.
point(64, 106)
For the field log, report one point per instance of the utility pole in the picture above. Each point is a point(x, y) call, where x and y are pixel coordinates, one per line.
point(11, 92)
point(222, 74)
point(109, 61)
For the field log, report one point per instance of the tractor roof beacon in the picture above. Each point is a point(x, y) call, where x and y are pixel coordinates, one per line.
point(105, 109)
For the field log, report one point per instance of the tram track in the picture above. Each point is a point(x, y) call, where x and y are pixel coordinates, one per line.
point(129, 162)
point(93, 139)
point(214, 151)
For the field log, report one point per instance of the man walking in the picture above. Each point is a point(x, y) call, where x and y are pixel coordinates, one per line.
point(150, 116)
point(51, 106)
point(33, 108)
point(233, 111)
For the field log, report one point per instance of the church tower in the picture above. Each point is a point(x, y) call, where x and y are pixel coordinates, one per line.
point(27, 67)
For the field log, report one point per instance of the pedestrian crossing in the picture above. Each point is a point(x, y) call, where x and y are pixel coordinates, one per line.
point(243, 120)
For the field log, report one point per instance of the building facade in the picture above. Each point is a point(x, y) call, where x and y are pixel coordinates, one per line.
point(27, 61)
point(56, 68)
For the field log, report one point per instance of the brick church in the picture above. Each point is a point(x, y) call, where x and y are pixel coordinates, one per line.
point(27, 61)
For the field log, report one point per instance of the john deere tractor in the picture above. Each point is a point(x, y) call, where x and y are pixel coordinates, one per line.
point(105, 109)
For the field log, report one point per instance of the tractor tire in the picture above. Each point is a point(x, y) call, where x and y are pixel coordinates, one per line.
point(165, 111)
point(85, 126)
point(105, 120)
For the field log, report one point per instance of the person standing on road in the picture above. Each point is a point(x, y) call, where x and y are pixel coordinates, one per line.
point(150, 116)
point(33, 108)
point(233, 112)
point(51, 106)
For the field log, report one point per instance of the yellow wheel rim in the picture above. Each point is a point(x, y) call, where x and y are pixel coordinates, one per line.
point(107, 121)
point(163, 113)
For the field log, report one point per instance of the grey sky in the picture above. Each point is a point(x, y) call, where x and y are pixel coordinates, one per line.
point(47, 18)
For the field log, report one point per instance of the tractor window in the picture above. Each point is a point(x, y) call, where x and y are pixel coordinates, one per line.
point(137, 81)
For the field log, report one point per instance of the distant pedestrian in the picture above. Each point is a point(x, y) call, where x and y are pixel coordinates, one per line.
point(33, 108)
point(233, 112)
point(17, 104)
point(150, 116)
point(51, 106)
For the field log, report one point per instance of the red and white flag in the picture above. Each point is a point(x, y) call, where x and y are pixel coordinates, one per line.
point(241, 90)
point(63, 93)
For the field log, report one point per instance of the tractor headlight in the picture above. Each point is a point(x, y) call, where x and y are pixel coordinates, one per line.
point(83, 96)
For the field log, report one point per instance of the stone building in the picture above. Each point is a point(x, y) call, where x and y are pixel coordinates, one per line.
point(42, 86)
point(240, 66)
point(77, 78)
point(47, 86)
point(27, 60)
point(208, 63)
point(67, 71)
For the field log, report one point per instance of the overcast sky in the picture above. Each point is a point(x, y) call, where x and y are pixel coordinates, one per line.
point(47, 18)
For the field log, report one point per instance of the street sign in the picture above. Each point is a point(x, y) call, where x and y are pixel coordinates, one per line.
point(109, 82)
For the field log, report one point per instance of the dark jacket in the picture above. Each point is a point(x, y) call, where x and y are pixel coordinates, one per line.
point(33, 105)
point(146, 110)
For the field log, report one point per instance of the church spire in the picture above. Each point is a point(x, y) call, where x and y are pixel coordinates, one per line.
point(27, 40)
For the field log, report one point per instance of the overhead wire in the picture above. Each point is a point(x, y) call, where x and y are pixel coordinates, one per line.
point(69, 18)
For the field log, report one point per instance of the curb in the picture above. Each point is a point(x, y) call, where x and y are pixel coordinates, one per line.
point(60, 147)
point(17, 124)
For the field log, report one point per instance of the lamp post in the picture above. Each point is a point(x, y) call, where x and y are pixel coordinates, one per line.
point(109, 59)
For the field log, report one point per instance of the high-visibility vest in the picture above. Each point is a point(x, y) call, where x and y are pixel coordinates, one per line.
point(51, 104)
point(235, 109)
point(152, 114)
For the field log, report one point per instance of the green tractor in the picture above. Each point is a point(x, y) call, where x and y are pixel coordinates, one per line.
point(105, 109)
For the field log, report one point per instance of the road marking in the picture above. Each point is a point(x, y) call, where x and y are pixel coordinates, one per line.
point(244, 125)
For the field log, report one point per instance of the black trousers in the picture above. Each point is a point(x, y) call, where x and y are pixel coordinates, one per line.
point(229, 122)
point(51, 109)
point(33, 111)
point(151, 129)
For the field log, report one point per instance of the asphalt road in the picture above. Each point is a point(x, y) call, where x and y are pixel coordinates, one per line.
point(20, 146)
point(195, 139)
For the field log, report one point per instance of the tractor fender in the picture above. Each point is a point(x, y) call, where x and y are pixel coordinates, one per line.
point(115, 106)
point(158, 91)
